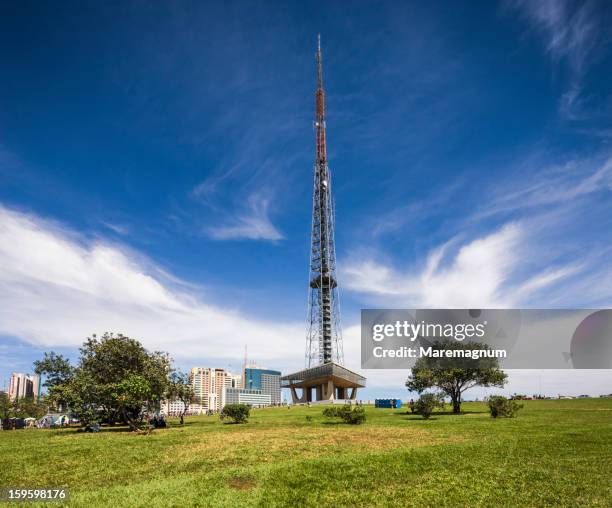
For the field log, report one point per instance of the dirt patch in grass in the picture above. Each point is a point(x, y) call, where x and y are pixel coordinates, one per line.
point(280, 444)
point(242, 483)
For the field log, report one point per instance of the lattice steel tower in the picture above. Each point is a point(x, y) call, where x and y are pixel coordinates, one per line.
point(324, 336)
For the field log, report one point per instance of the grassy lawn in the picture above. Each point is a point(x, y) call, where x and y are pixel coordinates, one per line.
point(555, 453)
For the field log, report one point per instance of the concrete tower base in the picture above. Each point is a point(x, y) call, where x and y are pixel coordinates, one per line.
point(325, 382)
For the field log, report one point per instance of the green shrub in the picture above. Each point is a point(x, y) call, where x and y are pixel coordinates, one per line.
point(348, 414)
point(426, 404)
point(500, 406)
point(238, 413)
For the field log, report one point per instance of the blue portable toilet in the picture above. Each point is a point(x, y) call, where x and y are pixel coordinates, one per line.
point(388, 403)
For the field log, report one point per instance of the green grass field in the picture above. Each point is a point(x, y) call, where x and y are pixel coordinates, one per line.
point(555, 453)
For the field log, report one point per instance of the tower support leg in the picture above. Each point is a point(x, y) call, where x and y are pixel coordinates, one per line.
point(294, 396)
point(328, 390)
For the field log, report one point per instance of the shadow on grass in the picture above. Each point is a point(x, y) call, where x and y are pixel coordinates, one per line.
point(191, 424)
point(443, 413)
point(103, 430)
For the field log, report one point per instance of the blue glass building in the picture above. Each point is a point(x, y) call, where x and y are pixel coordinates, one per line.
point(268, 381)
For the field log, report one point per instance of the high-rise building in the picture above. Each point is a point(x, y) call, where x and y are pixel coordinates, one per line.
point(208, 385)
point(24, 385)
point(203, 381)
point(266, 380)
point(237, 381)
point(223, 380)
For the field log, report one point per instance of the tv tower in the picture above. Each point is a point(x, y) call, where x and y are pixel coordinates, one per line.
point(324, 336)
point(325, 378)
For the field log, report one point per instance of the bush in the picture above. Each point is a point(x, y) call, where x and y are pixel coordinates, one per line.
point(426, 404)
point(353, 416)
point(238, 413)
point(502, 407)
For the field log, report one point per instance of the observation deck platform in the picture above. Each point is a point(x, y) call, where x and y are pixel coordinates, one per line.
point(324, 382)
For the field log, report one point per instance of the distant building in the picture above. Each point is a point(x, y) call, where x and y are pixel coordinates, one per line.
point(214, 388)
point(246, 396)
point(223, 380)
point(208, 385)
point(176, 407)
point(24, 385)
point(265, 380)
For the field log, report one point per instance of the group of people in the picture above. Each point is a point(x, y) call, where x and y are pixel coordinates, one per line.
point(158, 422)
point(46, 422)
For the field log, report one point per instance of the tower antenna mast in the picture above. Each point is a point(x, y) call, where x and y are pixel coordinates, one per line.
point(324, 335)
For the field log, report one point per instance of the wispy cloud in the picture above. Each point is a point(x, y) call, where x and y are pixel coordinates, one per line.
point(542, 184)
point(571, 32)
point(57, 287)
point(255, 225)
point(116, 228)
point(235, 194)
point(238, 195)
point(568, 32)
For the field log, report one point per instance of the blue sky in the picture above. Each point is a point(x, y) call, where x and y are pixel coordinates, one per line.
point(156, 170)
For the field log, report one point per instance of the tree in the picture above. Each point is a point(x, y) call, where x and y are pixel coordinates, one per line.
point(426, 404)
point(57, 371)
point(179, 388)
point(111, 360)
point(238, 413)
point(116, 379)
point(453, 376)
point(6, 406)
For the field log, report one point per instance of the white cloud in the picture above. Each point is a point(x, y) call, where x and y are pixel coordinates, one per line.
point(479, 275)
point(56, 288)
point(254, 225)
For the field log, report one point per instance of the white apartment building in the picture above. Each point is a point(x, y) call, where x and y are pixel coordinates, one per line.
point(224, 380)
point(176, 407)
point(209, 385)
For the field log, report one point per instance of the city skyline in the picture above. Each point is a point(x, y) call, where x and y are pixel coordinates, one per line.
point(165, 171)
